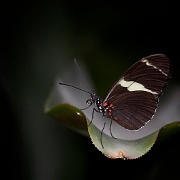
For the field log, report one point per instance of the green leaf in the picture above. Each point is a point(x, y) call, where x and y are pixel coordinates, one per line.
point(168, 130)
point(119, 148)
point(69, 116)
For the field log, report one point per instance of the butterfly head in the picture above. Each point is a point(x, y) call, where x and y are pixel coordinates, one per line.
point(94, 100)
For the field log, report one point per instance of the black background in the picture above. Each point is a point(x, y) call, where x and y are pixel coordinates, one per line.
point(109, 36)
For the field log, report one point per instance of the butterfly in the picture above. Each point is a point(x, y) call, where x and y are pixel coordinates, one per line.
point(133, 99)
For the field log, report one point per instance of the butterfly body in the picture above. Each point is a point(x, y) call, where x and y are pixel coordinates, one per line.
point(102, 107)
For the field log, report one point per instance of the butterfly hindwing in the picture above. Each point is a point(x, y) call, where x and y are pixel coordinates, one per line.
point(134, 112)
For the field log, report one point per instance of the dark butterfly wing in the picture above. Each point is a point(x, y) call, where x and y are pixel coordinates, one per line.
point(135, 95)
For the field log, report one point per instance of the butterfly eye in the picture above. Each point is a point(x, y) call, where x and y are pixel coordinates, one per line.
point(89, 102)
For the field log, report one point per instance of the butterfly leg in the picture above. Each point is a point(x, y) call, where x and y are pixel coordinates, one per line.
point(110, 129)
point(101, 134)
point(94, 109)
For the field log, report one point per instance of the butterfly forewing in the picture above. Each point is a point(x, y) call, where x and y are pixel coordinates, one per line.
point(135, 95)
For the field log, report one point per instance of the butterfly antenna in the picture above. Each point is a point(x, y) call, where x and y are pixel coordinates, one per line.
point(64, 84)
point(75, 61)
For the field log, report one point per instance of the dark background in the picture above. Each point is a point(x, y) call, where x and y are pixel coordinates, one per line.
point(36, 37)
